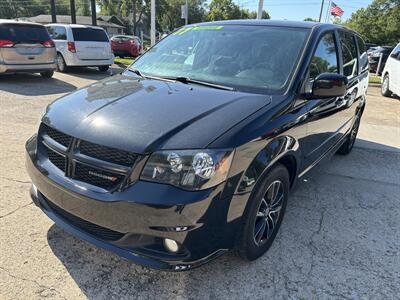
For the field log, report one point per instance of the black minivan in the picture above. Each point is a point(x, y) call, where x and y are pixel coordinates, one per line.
point(192, 151)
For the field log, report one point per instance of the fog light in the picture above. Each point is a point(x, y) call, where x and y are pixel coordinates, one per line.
point(171, 245)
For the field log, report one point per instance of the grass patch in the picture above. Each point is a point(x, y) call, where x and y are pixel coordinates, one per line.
point(374, 79)
point(123, 61)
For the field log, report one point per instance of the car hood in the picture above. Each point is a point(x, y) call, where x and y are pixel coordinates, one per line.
point(143, 115)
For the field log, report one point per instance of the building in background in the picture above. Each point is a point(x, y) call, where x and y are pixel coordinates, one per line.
point(111, 24)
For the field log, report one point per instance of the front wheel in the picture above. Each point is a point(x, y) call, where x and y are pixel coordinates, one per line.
point(351, 138)
point(385, 87)
point(264, 214)
point(103, 68)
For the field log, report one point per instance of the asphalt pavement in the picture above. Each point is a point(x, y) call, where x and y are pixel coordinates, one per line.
point(340, 238)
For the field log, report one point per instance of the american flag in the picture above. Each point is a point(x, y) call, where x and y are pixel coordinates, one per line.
point(336, 10)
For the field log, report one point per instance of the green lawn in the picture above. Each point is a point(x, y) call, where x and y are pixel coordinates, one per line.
point(123, 61)
point(374, 79)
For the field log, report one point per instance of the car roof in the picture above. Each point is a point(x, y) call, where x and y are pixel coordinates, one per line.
point(74, 25)
point(275, 23)
point(8, 21)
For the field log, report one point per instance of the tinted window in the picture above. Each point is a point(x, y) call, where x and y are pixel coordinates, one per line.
point(251, 58)
point(89, 35)
point(363, 57)
point(19, 33)
point(349, 52)
point(396, 52)
point(325, 57)
point(57, 32)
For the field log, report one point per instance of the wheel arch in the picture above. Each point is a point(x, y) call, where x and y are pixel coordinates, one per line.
point(283, 150)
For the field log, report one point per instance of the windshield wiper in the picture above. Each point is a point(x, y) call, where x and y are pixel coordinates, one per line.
point(205, 83)
point(137, 72)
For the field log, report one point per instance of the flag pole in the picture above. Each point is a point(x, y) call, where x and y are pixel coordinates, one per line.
point(320, 13)
point(328, 11)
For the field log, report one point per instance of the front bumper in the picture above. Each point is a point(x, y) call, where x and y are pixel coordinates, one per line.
point(133, 223)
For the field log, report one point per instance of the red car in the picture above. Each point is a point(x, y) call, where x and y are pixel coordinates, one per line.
point(126, 45)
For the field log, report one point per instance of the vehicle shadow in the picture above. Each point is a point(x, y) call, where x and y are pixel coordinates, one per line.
point(33, 85)
point(94, 73)
point(299, 263)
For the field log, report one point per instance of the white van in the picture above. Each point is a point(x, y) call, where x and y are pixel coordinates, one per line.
point(81, 45)
point(391, 74)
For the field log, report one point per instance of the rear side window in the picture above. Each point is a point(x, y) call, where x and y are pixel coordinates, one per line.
point(22, 33)
point(363, 57)
point(57, 32)
point(325, 57)
point(89, 35)
point(396, 52)
point(349, 52)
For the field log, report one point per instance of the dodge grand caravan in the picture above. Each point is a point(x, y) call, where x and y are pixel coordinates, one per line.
point(26, 47)
point(81, 46)
point(192, 151)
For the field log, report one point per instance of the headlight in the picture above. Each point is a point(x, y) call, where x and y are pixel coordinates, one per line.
point(188, 169)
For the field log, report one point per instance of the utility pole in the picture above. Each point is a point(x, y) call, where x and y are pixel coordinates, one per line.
point(53, 11)
point(186, 12)
point(73, 12)
point(93, 11)
point(260, 9)
point(153, 23)
point(320, 13)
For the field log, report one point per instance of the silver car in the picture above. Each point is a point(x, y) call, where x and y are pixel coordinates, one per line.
point(26, 47)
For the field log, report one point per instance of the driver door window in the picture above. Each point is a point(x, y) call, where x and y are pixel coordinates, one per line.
point(325, 59)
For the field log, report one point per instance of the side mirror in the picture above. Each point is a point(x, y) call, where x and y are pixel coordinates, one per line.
point(328, 85)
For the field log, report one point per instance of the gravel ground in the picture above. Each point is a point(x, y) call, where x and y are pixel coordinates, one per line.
point(340, 238)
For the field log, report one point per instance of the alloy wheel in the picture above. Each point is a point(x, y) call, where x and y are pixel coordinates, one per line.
point(268, 213)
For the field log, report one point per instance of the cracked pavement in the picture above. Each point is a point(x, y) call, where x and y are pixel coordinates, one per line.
point(340, 238)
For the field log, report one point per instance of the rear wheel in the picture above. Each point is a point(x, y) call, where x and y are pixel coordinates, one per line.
point(47, 74)
point(351, 138)
point(61, 65)
point(385, 86)
point(264, 214)
point(103, 68)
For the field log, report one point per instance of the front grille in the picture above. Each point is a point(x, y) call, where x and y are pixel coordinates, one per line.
point(56, 159)
point(107, 153)
point(81, 160)
point(97, 176)
point(58, 136)
point(91, 228)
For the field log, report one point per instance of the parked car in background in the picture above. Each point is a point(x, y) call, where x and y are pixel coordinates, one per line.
point(126, 45)
point(26, 47)
point(369, 46)
point(374, 56)
point(391, 74)
point(81, 46)
point(193, 149)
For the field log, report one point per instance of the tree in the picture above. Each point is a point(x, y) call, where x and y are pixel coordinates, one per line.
point(10, 9)
point(378, 23)
point(223, 10)
point(308, 19)
point(227, 10)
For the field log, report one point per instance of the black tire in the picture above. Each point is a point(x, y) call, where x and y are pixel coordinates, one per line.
point(47, 74)
point(103, 68)
point(251, 246)
point(348, 145)
point(61, 65)
point(385, 91)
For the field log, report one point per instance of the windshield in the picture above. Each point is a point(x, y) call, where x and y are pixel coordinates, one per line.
point(245, 57)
